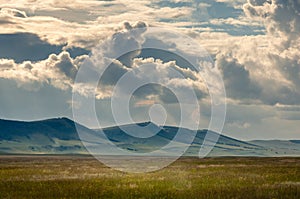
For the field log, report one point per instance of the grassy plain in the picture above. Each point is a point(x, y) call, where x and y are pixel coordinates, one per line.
point(85, 177)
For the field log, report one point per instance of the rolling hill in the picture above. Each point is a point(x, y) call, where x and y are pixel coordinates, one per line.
point(59, 136)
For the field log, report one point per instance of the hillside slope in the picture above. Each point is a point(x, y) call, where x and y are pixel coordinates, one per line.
point(59, 136)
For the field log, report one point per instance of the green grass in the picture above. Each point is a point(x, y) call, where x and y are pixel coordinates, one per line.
point(85, 177)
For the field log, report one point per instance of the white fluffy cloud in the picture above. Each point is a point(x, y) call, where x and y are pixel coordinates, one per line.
point(281, 18)
point(265, 68)
point(109, 61)
point(57, 28)
point(58, 71)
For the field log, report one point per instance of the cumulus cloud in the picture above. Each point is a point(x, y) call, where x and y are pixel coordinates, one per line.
point(259, 73)
point(261, 67)
point(58, 71)
point(281, 18)
point(170, 77)
point(282, 21)
point(167, 77)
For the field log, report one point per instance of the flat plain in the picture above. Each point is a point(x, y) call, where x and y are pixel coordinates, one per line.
point(84, 177)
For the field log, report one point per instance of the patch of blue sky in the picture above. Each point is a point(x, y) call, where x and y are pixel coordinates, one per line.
point(206, 10)
point(29, 47)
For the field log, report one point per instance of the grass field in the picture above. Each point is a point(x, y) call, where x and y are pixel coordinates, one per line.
point(85, 177)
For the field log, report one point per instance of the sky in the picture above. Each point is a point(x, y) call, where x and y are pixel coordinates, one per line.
point(254, 44)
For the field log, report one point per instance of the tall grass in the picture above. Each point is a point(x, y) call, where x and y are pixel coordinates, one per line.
point(84, 177)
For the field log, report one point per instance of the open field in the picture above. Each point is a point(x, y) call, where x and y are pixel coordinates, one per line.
point(85, 177)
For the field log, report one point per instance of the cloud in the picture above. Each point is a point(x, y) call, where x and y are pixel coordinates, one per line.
point(282, 21)
point(238, 82)
point(263, 68)
point(281, 18)
point(261, 73)
point(12, 12)
point(241, 21)
point(288, 112)
point(265, 123)
point(273, 78)
point(240, 125)
point(292, 108)
point(125, 41)
point(58, 71)
point(170, 76)
point(55, 5)
point(48, 20)
point(165, 75)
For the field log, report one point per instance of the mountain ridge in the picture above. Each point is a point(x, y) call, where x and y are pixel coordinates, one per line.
point(59, 136)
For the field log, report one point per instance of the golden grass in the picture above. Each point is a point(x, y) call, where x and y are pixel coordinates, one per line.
point(85, 177)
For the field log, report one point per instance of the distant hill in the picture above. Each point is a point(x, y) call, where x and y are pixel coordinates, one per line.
point(46, 136)
point(59, 136)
